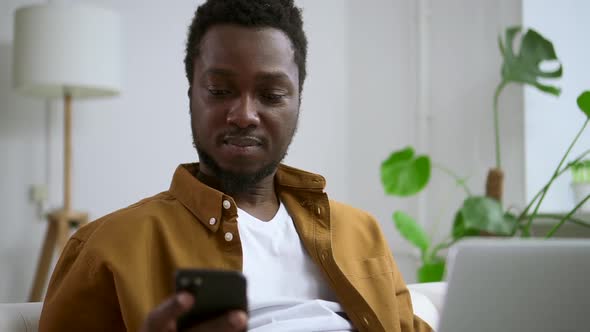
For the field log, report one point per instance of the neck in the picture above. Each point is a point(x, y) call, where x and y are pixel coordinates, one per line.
point(261, 194)
point(260, 199)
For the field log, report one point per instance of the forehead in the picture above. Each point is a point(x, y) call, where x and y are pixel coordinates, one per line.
point(240, 49)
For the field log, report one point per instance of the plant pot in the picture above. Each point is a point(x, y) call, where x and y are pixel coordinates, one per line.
point(581, 190)
point(431, 272)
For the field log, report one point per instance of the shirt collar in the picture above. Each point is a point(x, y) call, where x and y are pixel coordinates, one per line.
point(207, 204)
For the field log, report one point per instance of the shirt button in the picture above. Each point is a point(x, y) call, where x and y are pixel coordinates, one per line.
point(212, 221)
point(366, 321)
point(226, 204)
point(229, 236)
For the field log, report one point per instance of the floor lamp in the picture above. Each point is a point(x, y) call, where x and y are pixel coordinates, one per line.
point(65, 51)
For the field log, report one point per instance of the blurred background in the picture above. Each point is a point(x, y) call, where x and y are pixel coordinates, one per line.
point(382, 75)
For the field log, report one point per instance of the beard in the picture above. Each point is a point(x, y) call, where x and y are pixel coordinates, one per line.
point(233, 182)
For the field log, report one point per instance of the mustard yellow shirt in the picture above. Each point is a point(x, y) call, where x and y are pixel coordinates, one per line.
point(115, 270)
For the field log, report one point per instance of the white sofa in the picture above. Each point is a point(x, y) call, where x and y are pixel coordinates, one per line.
point(24, 317)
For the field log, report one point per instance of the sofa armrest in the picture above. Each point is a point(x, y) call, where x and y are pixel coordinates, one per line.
point(20, 317)
point(427, 300)
point(434, 291)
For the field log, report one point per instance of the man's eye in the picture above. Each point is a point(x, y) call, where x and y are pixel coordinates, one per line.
point(273, 97)
point(218, 92)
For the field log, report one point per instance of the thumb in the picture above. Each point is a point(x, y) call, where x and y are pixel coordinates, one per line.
point(177, 305)
point(164, 317)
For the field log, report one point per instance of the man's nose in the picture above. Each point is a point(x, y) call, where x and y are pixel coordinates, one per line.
point(244, 113)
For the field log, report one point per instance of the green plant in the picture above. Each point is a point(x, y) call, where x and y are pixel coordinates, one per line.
point(477, 213)
point(405, 174)
point(581, 171)
point(522, 67)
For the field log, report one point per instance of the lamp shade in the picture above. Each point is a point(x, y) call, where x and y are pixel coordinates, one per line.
point(72, 49)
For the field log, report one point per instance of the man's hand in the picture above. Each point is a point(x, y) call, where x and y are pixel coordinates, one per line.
point(163, 318)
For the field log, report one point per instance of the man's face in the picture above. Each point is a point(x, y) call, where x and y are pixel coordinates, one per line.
point(244, 102)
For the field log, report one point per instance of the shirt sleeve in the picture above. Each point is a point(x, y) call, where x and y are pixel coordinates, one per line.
point(81, 294)
point(409, 322)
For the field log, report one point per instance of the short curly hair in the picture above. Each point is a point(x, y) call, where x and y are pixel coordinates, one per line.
point(279, 14)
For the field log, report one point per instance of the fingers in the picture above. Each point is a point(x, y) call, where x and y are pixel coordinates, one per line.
point(233, 321)
point(164, 317)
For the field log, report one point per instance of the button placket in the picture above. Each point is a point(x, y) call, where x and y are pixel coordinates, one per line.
point(228, 225)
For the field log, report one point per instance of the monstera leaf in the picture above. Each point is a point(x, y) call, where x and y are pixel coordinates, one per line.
point(524, 66)
point(404, 174)
point(584, 103)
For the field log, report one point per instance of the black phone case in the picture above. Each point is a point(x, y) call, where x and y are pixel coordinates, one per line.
point(215, 291)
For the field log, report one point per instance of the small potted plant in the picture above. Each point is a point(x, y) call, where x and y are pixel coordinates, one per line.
point(581, 182)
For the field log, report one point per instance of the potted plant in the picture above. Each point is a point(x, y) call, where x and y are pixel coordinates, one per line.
point(404, 173)
point(581, 182)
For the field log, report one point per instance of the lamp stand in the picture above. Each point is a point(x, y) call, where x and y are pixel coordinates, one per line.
point(61, 221)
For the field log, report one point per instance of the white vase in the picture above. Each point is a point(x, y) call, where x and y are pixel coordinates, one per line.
point(581, 190)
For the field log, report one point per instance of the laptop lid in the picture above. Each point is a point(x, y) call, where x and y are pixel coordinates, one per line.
point(520, 285)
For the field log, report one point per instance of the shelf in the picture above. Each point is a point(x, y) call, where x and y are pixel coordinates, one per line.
point(585, 216)
point(542, 226)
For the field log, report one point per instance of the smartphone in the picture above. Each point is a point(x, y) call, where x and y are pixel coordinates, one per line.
point(215, 291)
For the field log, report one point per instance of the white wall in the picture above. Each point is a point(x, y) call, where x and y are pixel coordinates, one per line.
point(378, 80)
point(464, 62)
point(382, 98)
point(552, 123)
point(320, 143)
point(423, 73)
point(22, 154)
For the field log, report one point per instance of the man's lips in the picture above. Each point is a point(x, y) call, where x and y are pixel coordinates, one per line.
point(242, 141)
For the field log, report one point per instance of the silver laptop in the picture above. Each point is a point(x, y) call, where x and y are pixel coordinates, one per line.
point(524, 285)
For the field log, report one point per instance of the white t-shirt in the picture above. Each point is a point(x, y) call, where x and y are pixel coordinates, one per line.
point(286, 291)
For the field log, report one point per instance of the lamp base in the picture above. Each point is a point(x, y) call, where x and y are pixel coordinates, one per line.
point(60, 223)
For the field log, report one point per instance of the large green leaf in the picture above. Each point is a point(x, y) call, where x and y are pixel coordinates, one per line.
point(524, 66)
point(404, 174)
point(459, 230)
point(411, 231)
point(484, 214)
point(584, 102)
point(512, 222)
